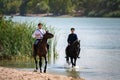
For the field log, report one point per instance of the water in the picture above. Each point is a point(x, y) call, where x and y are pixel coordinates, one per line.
point(100, 44)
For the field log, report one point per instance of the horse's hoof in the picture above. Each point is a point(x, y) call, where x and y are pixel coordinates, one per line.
point(69, 63)
point(35, 71)
point(44, 71)
point(40, 71)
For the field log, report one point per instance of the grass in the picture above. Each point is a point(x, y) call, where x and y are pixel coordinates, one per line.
point(16, 41)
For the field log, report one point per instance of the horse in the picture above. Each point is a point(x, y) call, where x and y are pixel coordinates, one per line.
point(72, 51)
point(42, 51)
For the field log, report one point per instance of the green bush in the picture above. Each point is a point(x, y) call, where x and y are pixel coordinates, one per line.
point(15, 38)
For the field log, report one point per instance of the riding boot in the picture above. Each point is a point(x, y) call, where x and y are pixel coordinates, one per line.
point(35, 46)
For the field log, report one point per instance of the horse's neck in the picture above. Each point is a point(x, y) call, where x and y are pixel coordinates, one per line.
point(44, 41)
point(74, 45)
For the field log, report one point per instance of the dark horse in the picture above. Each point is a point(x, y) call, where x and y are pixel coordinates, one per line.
point(42, 51)
point(72, 52)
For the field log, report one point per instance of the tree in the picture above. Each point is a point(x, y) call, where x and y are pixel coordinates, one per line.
point(98, 8)
point(67, 7)
point(12, 7)
point(109, 8)
point(41, 7)
point(55, 6)
point(2, 6)
point(23, 7)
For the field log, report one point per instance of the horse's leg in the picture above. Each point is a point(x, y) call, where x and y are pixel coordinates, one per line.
point(67, 60)
point(78, 53)
point(45, 64)
point(34, 55)
point(75, 61)
point(36, 63)
point(40, 64)
point(67, 55)
point(72, 61)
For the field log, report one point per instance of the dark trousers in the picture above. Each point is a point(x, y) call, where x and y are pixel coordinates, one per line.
point(35, 46)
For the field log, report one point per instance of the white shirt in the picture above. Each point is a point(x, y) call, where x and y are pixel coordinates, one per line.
point(38, 34)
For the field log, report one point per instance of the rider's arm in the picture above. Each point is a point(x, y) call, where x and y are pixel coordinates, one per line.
point(69, 40)
point(76, 38)
point(36, 34)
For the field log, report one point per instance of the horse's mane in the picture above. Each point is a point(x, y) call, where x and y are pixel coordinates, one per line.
point(76, 42)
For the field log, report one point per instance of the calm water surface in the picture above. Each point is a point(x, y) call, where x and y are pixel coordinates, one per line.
point(100, 44)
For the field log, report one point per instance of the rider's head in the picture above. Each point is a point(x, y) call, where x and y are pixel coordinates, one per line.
point(40, 25)
point(72, 30)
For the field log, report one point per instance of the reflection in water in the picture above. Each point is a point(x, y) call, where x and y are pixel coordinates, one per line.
point(73, 73)
point(52, 57)
point(25, 63)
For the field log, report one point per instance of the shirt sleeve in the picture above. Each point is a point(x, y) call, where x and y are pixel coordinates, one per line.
point(34, 34)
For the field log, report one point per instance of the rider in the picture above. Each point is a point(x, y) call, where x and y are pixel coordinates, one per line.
point(38, 34)
point(72, 37)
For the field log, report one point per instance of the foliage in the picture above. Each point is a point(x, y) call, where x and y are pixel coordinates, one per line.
point(105, 8)
point(58, 7)
point(23, 7)
point(9, 6)
point(16, 39)
point(97, 8)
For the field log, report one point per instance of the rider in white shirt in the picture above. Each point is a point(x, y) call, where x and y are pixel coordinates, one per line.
point(38, 34)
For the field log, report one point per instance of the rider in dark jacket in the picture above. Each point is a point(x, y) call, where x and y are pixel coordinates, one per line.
point(72, 37)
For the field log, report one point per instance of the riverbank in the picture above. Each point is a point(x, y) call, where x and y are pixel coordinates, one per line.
point(42, 15)
point(13, 74)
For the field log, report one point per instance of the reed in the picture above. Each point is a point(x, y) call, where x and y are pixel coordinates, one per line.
point(15, 39)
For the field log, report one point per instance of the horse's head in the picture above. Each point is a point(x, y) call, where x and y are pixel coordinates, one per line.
point(48, 35)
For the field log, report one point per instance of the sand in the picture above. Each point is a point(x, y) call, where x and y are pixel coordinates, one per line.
point(14, 74)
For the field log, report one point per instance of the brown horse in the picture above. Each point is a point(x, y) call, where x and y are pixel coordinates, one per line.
point(42, 51)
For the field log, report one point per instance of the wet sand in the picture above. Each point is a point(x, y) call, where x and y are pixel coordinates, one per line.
point(13, 74)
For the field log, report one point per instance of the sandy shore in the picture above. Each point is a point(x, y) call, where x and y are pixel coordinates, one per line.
point(13, 74)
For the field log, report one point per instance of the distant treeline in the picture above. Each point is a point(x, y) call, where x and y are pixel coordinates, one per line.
point(92, 8)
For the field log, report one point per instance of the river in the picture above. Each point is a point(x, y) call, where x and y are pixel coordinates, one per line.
point(100, 46)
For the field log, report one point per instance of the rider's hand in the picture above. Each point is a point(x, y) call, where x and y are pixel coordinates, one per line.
point(37, 35)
